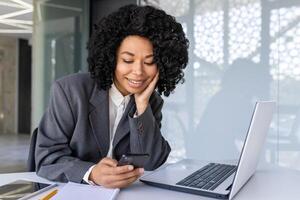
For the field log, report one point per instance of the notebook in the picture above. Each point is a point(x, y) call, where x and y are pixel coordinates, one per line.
point(82, 192)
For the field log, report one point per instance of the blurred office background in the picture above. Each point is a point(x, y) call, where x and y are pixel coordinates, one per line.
point(241, 51)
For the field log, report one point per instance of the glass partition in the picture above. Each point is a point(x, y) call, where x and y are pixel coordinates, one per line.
point(241, 51)
point(61, 31)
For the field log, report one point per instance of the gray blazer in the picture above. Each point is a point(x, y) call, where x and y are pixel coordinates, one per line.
point(73, 134)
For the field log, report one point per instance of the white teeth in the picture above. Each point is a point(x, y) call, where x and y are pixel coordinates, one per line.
point(135, 83)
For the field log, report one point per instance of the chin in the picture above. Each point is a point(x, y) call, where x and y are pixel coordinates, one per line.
point(135, 90)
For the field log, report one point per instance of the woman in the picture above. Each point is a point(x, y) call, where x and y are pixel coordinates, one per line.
point(94, 118)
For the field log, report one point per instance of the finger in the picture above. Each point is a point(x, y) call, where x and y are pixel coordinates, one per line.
point(154, 80)
point(109, 170)
point(123, 169)
point(109, 161)
point(124, 176)
point(157, 75)
point(141, 170)
point(148, 91)
point(123, 183)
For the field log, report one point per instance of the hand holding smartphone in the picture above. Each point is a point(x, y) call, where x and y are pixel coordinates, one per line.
point(137, 160)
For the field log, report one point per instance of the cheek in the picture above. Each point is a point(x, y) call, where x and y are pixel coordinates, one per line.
point(152, 72)
point(120, 71)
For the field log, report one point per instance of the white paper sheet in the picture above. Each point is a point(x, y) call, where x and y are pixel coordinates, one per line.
point(81, 191)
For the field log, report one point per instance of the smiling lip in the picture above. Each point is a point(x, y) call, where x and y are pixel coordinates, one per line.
point(135, 83)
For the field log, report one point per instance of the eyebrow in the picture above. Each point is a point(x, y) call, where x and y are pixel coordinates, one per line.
point(148, 56)
point(126, 52)
point(131, 54)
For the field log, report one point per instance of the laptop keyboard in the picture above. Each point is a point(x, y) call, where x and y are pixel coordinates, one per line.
point(208, 177)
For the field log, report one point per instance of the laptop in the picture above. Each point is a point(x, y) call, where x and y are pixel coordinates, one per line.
point(218, 180)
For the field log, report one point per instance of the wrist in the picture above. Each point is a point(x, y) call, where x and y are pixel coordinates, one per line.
point(87, 176)
point(92, 175)
point(141, 108)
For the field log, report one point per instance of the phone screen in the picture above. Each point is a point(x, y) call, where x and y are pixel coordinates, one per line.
point(18, 189)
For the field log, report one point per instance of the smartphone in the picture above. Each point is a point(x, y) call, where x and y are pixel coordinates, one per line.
point(137, 160)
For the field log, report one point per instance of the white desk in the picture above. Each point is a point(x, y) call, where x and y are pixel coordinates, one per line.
point(275, 184)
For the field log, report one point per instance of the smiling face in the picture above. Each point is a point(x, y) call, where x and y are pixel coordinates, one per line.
point(135, 68)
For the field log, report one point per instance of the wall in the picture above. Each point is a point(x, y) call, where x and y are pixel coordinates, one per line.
point(8, 90)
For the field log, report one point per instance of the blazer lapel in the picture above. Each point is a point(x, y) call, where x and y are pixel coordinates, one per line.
point(123, 126)
point(99, 118)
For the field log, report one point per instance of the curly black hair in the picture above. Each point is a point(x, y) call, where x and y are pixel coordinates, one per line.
point(170, 46)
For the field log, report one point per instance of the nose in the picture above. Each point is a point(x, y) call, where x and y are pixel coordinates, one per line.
point(138, 68)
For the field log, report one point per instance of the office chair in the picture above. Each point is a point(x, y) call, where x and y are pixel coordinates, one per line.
point(31, 159)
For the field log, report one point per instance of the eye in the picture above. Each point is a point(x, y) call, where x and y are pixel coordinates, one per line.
point(149, 63)
point(127, 61)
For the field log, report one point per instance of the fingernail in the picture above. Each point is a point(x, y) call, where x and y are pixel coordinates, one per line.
point(130, 167)
point(141, 170)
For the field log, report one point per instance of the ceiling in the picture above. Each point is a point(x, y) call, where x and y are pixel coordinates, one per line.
point(16, 18)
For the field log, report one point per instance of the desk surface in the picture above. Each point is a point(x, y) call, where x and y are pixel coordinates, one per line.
point(269, 184)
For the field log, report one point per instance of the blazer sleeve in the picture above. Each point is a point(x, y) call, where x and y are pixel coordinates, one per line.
point(145, 135)
point(53, 155)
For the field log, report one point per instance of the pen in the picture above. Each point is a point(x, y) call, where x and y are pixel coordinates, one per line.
point(49, 195)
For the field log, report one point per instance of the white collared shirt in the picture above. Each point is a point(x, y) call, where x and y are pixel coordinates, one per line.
point(117, 106)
